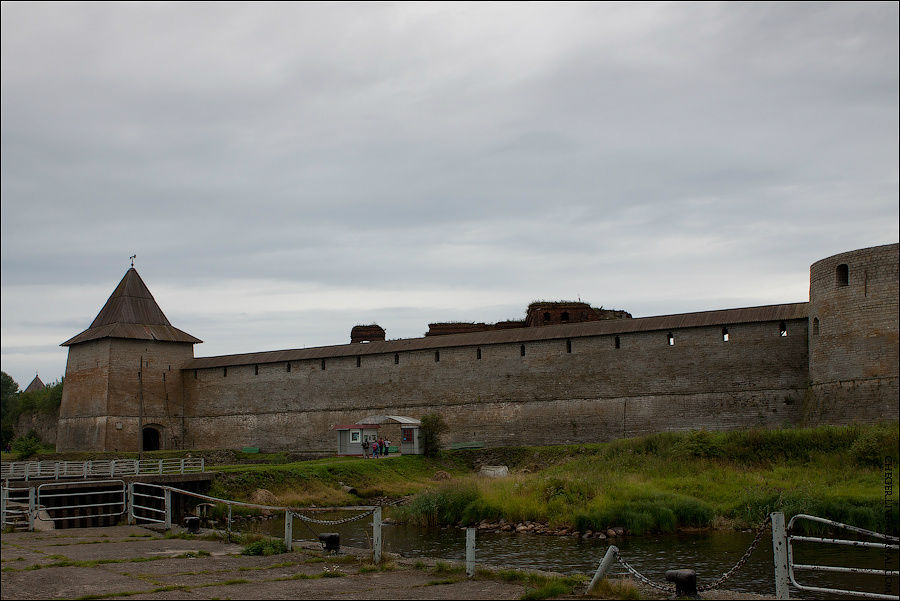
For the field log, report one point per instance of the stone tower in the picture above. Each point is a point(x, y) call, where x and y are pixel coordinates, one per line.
point(853, 334)
point(123, 390)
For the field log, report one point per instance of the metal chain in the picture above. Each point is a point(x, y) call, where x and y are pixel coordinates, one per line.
point(666, 588)
point(740, 563)
point(310, 520)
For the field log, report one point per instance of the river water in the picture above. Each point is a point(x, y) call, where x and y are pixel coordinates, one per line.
point(709, 553)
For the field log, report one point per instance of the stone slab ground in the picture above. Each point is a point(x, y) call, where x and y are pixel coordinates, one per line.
point(140, 563)
point(137, 563)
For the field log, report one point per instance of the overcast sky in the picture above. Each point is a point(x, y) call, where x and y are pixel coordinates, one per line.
point(286, 171)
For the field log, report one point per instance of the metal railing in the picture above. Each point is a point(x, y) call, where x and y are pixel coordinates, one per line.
point(104, 468)
point(85, 502)
point(162, 494)
point(16, 506)
point(154, 505)
point(785, 566)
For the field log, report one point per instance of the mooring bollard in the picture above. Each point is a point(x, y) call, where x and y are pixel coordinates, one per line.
point(685, 583)
point(192, 524)
point(331, 542)
point(470, 552)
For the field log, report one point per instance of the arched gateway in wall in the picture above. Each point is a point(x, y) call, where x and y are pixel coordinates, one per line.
point(534, 381)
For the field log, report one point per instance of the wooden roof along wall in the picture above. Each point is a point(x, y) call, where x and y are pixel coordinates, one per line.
point(723, 317)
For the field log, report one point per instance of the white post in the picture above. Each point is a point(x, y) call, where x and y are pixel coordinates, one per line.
point(470, 552)
point(779, 551)
point(130, 501)
point(603, 568)
point(168, 507)
point(288, 529)
point(376, 535)
point(3, 493)
point(31, 510)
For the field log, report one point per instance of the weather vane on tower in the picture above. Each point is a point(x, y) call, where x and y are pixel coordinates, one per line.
point(132, 257)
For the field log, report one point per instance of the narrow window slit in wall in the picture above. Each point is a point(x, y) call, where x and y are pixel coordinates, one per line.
point(164, 377)
point(843, 275)
point(358, 361)
point(196, 373)
point(288, 367)
point(671, 338)
point(396, 358)
point(256, 370)
point(782, 329)
point(437, 356)
point(224, 372)
point(521, 350)
point(568, 346)
point(478, 353)
point(724, 334)
point(618, 342)
point(815, 326)
point(323, 364)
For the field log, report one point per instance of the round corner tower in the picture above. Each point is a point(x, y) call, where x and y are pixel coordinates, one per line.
point(853, 336)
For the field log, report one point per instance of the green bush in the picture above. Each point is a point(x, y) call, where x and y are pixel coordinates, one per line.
point(265, 547)
point(448, 505)
point(27, 446)
point(700, 443)
point(874, 446)
point(431, 427)
point(660, 513)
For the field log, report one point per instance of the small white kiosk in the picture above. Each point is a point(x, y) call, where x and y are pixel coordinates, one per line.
point(402, 431)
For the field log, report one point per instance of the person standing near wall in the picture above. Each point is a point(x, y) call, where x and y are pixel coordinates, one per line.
point(365, 448)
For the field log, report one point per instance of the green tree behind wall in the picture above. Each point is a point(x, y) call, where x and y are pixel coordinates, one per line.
point(15, 403)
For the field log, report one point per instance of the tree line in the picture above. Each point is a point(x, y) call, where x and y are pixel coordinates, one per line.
point(14, 403)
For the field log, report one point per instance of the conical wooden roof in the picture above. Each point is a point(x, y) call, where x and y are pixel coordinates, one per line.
point(131, 312)
point(35, 385)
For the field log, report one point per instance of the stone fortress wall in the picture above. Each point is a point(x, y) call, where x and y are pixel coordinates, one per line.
point(563, 390)
point(558, 383)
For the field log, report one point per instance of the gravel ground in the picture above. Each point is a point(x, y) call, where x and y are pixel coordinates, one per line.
point(138, 563)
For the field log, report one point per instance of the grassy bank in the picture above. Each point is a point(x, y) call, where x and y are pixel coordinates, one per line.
point(656, 483)
point(324, 482)
point(663, 482)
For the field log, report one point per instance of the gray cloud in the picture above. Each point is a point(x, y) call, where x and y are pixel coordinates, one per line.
point(654, 158)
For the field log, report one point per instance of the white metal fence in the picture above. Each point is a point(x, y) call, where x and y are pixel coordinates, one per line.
point(106, 468)
point(786, 567)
